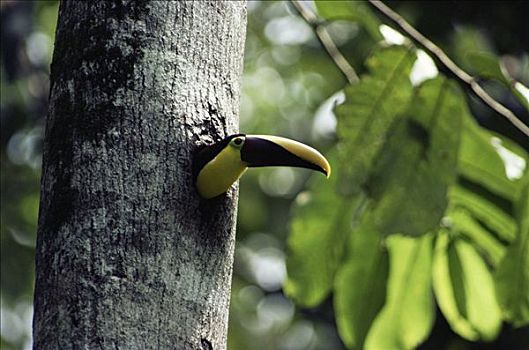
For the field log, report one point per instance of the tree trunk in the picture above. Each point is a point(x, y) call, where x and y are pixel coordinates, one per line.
point(128, 255)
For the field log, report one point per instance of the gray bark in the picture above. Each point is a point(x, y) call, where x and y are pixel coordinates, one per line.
point(128, 255)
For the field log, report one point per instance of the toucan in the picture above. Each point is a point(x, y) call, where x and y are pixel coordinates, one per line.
point(218, 166)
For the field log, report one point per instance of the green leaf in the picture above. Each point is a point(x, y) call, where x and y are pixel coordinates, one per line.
point(321, 226)
point(520, 91)
point(486, 65)
point(464, 289)
point(412, 175)
point(481, 305)
point(310, 279)
point(354, 11)
point(462, 222)
point(485, 211)
point(408, 314)
point(370, 108)
point(447, 284)
point(480, 163)
point(360, 286)
point(512, 275)
point(509, 145)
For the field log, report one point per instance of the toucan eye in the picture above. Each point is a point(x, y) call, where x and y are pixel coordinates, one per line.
point(237, 142)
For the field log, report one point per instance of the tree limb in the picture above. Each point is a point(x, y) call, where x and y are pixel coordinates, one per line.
point(459, 73)
point(128, 255)
point(325, 39)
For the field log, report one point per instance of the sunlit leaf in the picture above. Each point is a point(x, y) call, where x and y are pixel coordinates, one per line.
point(446, 284)
point(481, 164)
point(514, 157)
point(410, 180)
point(481, 306)
point(371, 106)
point(355, 11)
point(463, 222)
point(360, 286)
point(316, 245)
point(464, 289)
point(488, 212)
point(408, 314)
point(512, 275)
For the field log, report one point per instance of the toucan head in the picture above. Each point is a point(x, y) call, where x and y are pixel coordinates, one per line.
point(218, 166)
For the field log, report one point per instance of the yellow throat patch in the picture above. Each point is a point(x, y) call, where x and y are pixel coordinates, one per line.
point(217, 176)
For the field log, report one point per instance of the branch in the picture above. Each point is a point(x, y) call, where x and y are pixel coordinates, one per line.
point(459, 73)
point(325, 39)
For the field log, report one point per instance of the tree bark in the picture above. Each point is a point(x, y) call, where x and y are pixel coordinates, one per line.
point(128, 255)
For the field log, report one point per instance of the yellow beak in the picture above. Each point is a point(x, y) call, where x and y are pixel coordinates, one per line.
point(268, 150)
point(218, 166)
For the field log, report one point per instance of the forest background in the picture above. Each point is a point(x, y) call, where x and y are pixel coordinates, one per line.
point(290, 87)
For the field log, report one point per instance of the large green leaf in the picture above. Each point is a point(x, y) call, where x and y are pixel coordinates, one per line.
point(370, 108)
point(480, 163)
point(512, 276)
point(464, 289)
point(412, 175)
point(360, 286)
point(447, 285)
point(322, 224)
point(408, 314)
point(485, 211)
point(464, 223)
point(354, 11)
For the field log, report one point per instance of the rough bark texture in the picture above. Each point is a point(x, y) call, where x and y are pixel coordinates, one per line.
point(128, 256)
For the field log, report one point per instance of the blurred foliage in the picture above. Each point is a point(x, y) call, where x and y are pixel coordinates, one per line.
point(27, 31)
point(421, 234)
point(427, 176)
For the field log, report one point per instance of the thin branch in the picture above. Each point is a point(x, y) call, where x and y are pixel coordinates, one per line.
point(325, 39)
point(450, 65)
